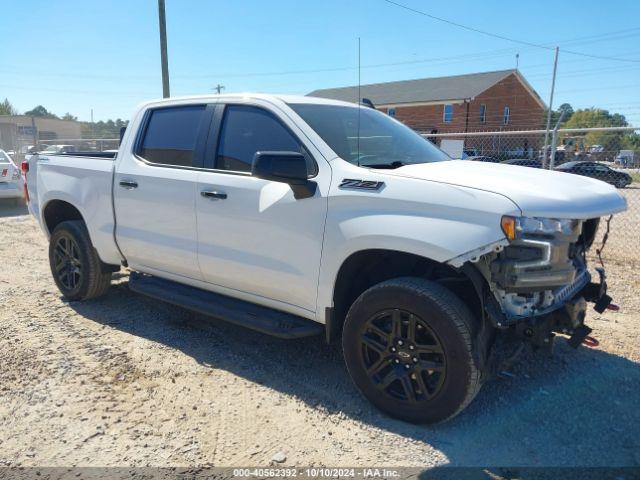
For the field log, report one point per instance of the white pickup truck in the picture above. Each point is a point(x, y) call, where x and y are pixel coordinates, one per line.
point(300, 216)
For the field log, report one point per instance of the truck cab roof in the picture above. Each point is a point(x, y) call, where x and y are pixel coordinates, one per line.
point(229, 97)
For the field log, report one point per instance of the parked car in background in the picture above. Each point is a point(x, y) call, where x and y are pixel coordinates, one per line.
point(51, 149)
point(625, 159)
point(524, 162)
point(11, 184)
point(31, 149)
point(483, 158)
point(598, 171)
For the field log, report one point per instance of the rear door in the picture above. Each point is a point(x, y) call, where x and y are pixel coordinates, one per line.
point(255, 239)
point(155, 190)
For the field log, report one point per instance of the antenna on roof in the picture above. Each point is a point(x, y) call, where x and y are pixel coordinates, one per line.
point(517, 60)
point(359, 103)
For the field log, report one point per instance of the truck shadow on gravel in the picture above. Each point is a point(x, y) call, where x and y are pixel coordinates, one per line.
point(578, 407)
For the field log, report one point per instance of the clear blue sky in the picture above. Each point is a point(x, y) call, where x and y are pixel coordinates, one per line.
point(75, 55)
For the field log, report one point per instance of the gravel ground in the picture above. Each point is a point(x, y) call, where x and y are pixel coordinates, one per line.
point(124, 380)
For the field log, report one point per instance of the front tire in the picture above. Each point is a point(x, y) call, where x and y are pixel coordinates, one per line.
point(76, 268)
point(408, 346)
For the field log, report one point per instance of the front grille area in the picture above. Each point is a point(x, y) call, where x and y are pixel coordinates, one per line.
point(537, 262)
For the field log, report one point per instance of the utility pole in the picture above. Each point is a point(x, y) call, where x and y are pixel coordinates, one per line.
point(517, 60)
point(554, 141)
point(218, 88)
point(93, 133)
point(34, 132)
point(163, 50)
point(546, 133)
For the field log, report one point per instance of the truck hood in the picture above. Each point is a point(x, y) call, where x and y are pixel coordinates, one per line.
point(537, 192)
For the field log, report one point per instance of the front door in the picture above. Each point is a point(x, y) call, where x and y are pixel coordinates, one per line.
point(255, 239)
point(155, 189)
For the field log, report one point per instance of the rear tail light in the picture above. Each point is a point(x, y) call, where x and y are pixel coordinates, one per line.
point(4, 172)
point(24, 166)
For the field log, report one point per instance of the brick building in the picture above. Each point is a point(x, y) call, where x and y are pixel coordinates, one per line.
point(489, 101)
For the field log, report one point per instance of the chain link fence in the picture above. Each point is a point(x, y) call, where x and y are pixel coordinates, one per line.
point(64, 145)
point(610, 155)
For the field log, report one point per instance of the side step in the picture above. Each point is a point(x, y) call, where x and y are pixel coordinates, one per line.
point(239, 312)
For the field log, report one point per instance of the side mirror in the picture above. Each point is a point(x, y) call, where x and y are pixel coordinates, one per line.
point(285, 167)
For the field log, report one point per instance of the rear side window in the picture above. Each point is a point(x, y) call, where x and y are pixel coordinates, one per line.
point(171, 135)
point(4, 158)
point(247, 130)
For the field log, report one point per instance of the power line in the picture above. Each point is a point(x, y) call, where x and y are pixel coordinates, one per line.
point(466, 27)
point(502, 37)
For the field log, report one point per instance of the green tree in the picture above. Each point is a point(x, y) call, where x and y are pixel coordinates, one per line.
point(598, 117)
point(555, 114)
point(6, 108)
point(102, 129)
point(68, 116)
point(40, 111)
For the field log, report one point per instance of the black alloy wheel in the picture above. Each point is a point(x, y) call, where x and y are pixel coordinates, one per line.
point(409, 345)
point(75, 265)
point(403, 356)
point(67, 262)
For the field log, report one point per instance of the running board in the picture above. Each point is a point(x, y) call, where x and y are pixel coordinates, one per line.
point(232, 310)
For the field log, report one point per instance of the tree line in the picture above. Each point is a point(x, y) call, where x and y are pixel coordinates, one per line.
point(100, 129)
point(581, 118)
point(597, 117)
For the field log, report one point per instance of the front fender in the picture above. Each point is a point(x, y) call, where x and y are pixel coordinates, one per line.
point(440, 222)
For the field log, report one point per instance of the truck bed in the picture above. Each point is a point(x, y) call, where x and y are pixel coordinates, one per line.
point(84, 180)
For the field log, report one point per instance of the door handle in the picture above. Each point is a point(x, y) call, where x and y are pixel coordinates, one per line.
point(213, 195)
point(128, 184)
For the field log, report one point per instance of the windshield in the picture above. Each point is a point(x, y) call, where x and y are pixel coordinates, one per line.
point(52, 148)
point(382, 142)
point(4, 158)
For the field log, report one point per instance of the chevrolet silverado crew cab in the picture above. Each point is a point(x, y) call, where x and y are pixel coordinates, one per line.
point(299, 216)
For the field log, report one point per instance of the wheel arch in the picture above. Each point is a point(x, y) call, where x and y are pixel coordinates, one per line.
point(57, 211)
point(365, 268)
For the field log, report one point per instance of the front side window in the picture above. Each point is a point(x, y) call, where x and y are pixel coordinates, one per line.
point(447, 114)
point(367, 137)
point(171, 134)
point(247, 130)
point(505, 116)
point(483, 113)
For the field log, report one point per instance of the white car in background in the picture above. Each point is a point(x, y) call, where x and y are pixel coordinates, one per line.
point(11, 183)
point(55, 149)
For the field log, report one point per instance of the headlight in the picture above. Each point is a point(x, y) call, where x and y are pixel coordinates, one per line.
point(514, 227)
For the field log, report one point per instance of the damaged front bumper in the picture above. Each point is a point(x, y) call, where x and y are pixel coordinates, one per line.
point(540, 284)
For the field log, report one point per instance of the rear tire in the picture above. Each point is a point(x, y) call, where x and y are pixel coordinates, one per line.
point(76, 268)
point(408, 346)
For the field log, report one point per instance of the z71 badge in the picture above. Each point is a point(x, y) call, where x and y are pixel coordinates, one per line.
point(361, 184)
